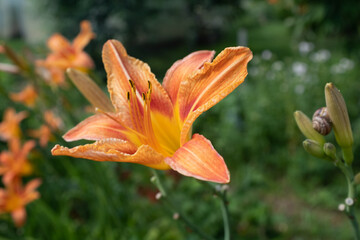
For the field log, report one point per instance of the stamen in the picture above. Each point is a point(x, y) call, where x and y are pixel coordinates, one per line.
point(132, 85)
point(133, 106)
point(150, 87)
point(144, 97)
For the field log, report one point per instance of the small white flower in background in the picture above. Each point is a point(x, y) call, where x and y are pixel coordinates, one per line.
point(158, 195)
point(176, 216)
point(299, 89)
point(321, 56)
point(278, 66)
point(347, 63)
point(266, 55)
point(343, 66)
point(305, 47)
point(341, 207)
point(299, 68)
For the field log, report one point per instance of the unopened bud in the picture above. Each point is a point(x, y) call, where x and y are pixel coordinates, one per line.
point(339, 116)
point(349, 201)
point(314, 148)
point(91, 91)
point(306, 127)
point(330, 150)
point(357, 179)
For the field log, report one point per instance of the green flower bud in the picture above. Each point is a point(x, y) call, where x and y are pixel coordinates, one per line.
point(314, 148)
point(339, 115)
point(357, 179)
point(306, 127)
point(330, 150)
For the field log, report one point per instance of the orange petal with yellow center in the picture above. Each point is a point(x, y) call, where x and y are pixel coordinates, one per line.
point(197, 158)
point(97, 127)
point(115, 150)
point(58, 43)
point(120, 68)
point(211, 84)
point(183, 69)
point(84, 37)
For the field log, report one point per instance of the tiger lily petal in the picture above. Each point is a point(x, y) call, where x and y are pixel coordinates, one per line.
point(152, 122)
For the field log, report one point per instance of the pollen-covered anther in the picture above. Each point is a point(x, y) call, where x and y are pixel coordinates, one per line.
point(132, 85)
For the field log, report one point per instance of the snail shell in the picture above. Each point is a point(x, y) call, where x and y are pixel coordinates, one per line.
point(321, 121)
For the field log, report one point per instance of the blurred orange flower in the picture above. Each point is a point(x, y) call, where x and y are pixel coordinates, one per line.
point(152, 123)
point(68, 55)
point(27, 96)
point(14, 163)
point(52, 120)
point(9, 127)
point(15, 197)
point(43, 134)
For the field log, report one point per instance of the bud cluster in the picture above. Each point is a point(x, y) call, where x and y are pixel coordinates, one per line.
point(333, 116)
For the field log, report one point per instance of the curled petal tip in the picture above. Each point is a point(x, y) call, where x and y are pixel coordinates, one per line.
point(197, 158)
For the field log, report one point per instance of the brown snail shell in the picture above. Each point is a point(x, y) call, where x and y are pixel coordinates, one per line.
point(321, 121)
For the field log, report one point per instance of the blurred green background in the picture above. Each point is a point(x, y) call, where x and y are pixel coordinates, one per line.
point(277, 190)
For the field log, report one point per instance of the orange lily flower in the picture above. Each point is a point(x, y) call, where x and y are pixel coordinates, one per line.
point(15, 197)
point(68, 55)
point(152, 123)
point(43, 134)
point(9, 127)
point(52, 120)
point(27, 96)
point(14, 163)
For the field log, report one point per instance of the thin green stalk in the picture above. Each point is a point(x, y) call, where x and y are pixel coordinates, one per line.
point(350, 211)
point(172, 207)
point(225, 214)
point(220, 191)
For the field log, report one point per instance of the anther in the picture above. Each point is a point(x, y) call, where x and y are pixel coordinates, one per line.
point(143, 97)
point(150, 86)
point(128, 96)
point(132, 85)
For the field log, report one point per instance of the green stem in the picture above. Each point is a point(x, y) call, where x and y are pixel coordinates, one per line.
point(220, 191)
point(225, 213)
point(350, 211)
point(165, 198)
